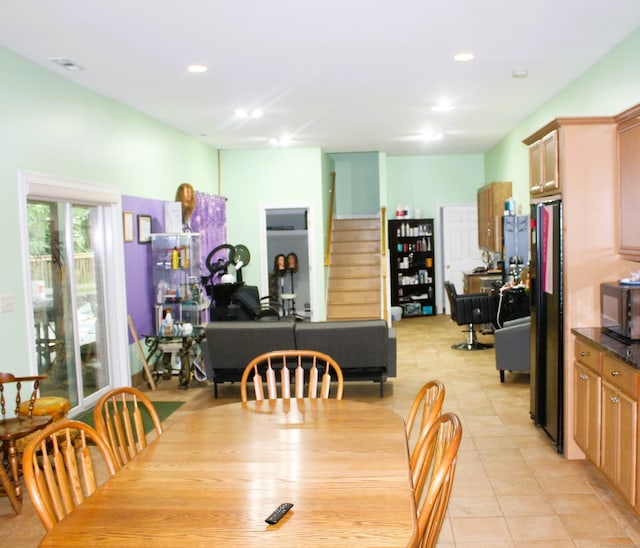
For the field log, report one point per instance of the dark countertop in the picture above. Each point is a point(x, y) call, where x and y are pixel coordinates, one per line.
point(628, 352)
point(492, 273)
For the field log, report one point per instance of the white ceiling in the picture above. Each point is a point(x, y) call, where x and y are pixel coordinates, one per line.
point(343, 75)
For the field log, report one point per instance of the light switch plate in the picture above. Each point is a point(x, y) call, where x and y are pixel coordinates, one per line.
point(6, 303)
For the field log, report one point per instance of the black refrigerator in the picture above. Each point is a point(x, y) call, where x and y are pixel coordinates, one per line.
point(546, 293)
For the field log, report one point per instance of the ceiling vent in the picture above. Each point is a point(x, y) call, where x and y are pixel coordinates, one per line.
point(65, 63)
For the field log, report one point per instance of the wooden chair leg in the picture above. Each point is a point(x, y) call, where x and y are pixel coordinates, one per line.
point(9, 489)
point(14, 466)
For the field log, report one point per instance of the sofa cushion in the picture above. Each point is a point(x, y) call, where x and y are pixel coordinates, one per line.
point(235, 344)
point(354, 344)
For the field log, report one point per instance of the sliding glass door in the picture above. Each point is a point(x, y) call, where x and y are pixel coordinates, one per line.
point(78, 307)
point(68, 298)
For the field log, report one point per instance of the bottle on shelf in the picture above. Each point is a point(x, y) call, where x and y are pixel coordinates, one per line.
point(167, 324)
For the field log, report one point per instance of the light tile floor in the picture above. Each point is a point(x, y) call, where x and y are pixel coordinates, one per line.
point(511, 488)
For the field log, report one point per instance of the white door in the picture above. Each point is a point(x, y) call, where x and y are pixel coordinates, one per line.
point(459, 239)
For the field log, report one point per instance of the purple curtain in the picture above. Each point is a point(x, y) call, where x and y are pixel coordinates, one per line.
point(209, 218)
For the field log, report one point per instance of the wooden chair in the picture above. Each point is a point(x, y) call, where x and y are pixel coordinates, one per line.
point(15, 426)
point(120, 423)
point(296, 369)
point(430, 399)
point(433, 477)
point(59, 470)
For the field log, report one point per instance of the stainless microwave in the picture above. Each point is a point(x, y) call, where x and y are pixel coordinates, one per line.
point(620, 309)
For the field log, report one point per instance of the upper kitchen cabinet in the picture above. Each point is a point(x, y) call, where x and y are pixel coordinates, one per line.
point(491, 206)
point(543, 165)
point(629, 177)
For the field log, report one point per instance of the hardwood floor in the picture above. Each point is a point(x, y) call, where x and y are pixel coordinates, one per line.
point(511, 487)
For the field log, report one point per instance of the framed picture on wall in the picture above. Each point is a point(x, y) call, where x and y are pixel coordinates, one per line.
point(144, 229)
point(127, 225)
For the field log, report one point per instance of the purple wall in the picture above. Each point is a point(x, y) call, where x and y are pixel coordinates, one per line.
point(209, 218)
point(137, 260)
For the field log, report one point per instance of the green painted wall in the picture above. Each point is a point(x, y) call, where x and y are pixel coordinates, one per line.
point(610, 86)
point(276, 179)
point(357, 183)
point(425, 182)
point(54, 127)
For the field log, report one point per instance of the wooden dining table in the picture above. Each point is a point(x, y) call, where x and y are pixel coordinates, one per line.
point(213, 477)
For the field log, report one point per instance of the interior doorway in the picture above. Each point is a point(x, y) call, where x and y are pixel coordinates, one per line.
point(459, 245)
point(285, 241)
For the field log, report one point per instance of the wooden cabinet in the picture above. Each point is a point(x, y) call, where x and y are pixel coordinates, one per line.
point(619, 440)
point(587, 402)
point(605, 418)
point(629, 173)
point(481, 283)
point(491, 202)
point(543, 165)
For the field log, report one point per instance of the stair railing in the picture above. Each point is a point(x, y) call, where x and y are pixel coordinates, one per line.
point(332, 192)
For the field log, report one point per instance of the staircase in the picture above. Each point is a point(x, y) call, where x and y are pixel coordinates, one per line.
point(355, 270)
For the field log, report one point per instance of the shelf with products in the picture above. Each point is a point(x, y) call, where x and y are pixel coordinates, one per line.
point(178, 295)
point(411, 257)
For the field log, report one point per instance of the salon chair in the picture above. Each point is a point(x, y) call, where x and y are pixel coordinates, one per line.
point(471, 310)
point(252, 307)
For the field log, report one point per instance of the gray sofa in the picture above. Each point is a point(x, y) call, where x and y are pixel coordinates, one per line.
point(364, 349)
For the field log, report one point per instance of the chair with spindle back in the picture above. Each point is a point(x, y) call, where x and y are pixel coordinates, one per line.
point(118, 417)
point(433, 477)
point(59, 468)
point(14, 426)
point(296, 369)
point(429, 399)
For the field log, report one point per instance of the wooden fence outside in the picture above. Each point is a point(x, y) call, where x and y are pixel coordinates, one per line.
point(83, 268)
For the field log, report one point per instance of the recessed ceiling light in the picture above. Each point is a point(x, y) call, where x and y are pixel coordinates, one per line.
point(463, 56)
point(442, 106)
point(520, 73)
point(197, 68)
point(430, 135)
point(65, 63)
point(282, 142)
point(243, 113)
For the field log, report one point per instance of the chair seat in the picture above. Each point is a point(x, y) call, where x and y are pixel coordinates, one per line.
point(17, 427)
point(54, 406)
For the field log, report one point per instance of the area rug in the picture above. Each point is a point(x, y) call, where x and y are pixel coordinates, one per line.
point(164, 409)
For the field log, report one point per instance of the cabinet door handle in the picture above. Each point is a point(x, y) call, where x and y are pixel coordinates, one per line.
point(583, 377)
point(584, 354)
point(613, 399)
point(615, 373)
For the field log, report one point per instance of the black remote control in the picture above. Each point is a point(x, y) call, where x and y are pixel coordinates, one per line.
point(277, 514)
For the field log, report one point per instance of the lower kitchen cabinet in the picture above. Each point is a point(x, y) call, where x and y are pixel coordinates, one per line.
point(619, 440)
point(586, 427)
point(606, 416)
